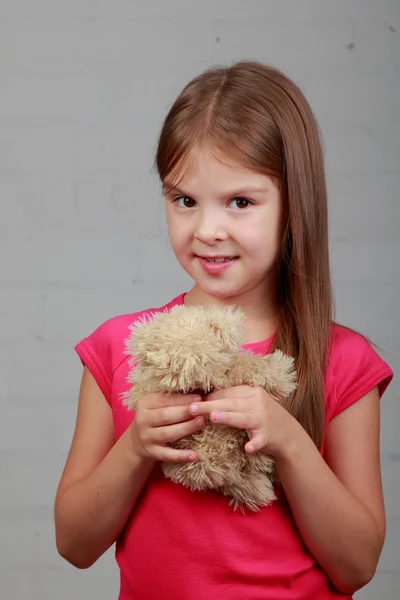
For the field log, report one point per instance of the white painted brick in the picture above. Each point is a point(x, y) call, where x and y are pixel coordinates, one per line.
point(287, 10)
point(34, 150)
point(376, 45)
point(373, 262)
point(31, 544)
point(42, 423)
point(102, 204)
point(72, 151)
point(43, 370)
point(77, 258)
point(390, 414)
point(116, 152)
point(385, 585)
point(364, 149)
point(142, 91)
point(97, 306)
point(12, 194)
point(32, 477)
point(60, 94)
point(10, 355)
point(108, 204)
point(87, 95)
point(21, 315)
point(204, 42)
point(160, 264)
point(362, 304)
point(33, 540)
point(366, 99)
point(88, 40)
point(29, 581)
point(389, 560)
point(48, 204)
point(391, 477)
point(364, 207)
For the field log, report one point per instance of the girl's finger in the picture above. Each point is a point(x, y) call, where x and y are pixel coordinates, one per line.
point(167, 454)
point(163, 400)
point(171, 433)
point(168, 416)
point(226, 405)
point(257, 443)
point(235, 419)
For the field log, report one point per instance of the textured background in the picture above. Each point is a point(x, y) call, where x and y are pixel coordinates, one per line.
point(84, 86)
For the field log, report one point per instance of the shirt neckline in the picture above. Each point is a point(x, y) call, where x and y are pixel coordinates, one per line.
point(261, 346)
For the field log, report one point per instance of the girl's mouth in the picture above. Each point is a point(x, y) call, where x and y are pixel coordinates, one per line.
point(218, 259)
point(214, 265)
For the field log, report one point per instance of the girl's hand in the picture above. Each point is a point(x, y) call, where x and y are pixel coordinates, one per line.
point(161, 419)
point(267, 423)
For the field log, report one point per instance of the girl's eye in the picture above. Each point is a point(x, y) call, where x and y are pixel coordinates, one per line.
point(241, 202)
point(185, 202)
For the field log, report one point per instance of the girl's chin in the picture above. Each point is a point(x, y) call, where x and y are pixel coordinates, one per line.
point(221, 292)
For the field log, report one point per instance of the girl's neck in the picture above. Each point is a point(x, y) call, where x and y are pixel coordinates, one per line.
point(260, 311)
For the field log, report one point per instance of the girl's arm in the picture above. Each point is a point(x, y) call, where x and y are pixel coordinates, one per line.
point(338, 504)
point(100, 484)
point(103, 478)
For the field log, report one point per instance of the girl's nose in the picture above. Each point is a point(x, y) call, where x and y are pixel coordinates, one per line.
point(210, 229)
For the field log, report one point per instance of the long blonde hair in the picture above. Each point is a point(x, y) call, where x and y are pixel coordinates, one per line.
point(256, 115)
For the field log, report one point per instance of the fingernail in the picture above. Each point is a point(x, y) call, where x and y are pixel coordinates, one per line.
point(194, 409)
point(192, 456)
point(197, 399)
point(199, 421)
point(216, 416)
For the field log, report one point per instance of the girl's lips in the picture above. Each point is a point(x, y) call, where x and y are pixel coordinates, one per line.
point(215, 268)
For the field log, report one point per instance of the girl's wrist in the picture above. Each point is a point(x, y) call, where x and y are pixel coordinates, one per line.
point(293, 440)
point(133, 450)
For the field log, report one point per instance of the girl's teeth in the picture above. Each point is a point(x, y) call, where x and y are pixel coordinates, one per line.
point(218, 260)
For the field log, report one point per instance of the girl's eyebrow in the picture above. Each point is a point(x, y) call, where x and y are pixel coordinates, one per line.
point(250, 189)
point(168, 189)
point(236, 192)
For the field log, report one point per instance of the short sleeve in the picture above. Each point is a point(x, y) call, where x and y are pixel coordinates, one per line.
point(104, 350)
point(357, 369)
point(95, 353)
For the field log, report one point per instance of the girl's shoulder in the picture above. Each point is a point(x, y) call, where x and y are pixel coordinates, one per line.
point(104, 349)
point(354, 367)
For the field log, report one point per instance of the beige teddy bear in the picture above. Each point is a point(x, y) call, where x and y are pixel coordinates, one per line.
point(199, 349)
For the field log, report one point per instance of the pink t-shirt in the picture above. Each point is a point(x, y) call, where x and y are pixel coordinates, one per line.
point(179, 545)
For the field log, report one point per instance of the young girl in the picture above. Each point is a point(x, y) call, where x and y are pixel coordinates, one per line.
point(241, 166)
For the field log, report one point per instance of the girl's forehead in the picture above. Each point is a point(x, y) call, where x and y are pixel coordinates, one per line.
point(208, 163)
point(220, 179)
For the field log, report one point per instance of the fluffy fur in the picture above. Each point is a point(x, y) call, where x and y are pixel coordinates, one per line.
point(199, 349)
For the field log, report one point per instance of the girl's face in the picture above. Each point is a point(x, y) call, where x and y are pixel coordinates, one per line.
point(224, 225)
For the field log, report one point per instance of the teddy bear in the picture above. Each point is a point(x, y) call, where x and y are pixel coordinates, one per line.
point(199, 349)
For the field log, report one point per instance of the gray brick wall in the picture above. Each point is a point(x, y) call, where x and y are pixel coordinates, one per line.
point(83, 88)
